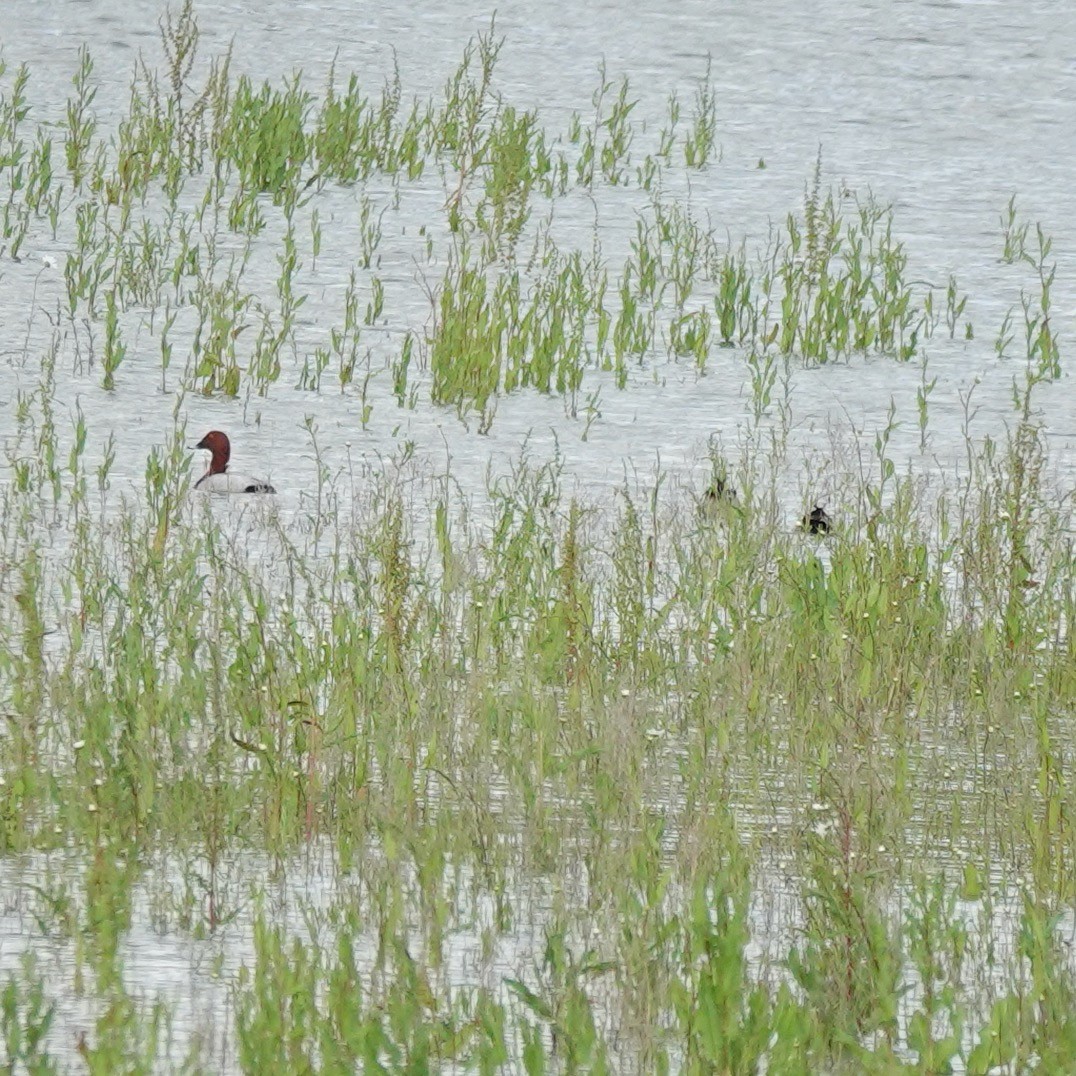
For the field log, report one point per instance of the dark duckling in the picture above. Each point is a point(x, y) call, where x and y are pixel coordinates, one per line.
point(720, 492)
point(817, 521)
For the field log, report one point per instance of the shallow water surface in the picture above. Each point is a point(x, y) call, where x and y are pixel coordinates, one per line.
point(929, 106)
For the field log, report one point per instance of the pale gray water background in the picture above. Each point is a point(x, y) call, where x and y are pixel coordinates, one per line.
point(943, 109)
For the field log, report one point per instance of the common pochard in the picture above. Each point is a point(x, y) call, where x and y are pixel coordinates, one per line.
point(218, 479)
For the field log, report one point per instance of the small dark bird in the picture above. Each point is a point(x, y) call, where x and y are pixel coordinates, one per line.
point(720, 493)
point(817, 521)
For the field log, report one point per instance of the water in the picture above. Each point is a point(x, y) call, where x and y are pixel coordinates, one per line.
point(931, 106)
point(943, 109)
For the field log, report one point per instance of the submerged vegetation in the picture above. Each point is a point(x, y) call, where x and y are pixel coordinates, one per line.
point(555, 784)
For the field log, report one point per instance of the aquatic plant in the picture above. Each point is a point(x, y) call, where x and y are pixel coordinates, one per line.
point(526, 777)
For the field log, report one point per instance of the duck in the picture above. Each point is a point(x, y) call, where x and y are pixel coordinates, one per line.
point(817, 521)
point(218, 479)
point(720, 492)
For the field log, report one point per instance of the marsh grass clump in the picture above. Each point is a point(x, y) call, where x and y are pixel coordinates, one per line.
point(265, 137)
point(605, 137)
point(208, 173)
point(566, 694)
point(843, 286)
point(495, 333)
